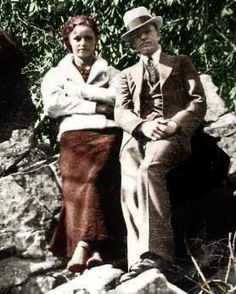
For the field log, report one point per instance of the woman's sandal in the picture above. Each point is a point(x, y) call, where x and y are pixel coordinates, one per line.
point(80, 257)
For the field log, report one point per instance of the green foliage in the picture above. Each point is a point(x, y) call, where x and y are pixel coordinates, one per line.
point(201, 29)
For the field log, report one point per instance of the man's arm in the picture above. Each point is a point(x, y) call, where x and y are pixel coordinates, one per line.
point(192, 115)
point(125, 116)
point(127, 119)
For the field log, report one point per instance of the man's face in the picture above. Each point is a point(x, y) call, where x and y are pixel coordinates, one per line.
point(146, 40)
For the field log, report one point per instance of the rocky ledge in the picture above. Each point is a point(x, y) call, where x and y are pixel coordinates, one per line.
point(30, 199)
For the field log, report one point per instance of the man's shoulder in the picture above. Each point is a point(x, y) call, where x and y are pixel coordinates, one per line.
point(182, 57)
point(183, 60)
point(175, 61)
point(131, 68)
point(174, 56)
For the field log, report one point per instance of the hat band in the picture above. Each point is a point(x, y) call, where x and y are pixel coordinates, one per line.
point(137, 21)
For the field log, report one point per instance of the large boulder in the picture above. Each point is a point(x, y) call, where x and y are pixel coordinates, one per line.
point(220, 122)
point(17, 110)
point(12, 151)
point(215, 105)
point(106, 280)
point(29, 202)
point(25, 275)
point(30, 199)
point(203, 189)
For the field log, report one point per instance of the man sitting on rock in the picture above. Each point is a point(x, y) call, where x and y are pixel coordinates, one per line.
point(160, 102)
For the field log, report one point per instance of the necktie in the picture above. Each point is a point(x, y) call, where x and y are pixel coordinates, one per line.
point(152, 71)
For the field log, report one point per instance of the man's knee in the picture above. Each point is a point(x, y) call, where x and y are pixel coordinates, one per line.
point(150, 168)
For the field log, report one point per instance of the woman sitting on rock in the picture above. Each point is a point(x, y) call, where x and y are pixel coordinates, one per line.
point(80, 90)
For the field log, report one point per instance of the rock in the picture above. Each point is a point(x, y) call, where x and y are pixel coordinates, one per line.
point(14, 271)
point(44, 266)
point(34, 157)
point(220, 122)
point(96, 280)
point(15, 149)
point(17, 110)
point(105, 278)
point(151, 281)
point(215, 105)
point(19, 275)
point(28, 204)
point(37, 285)
point(30, 198)
point(225, 129)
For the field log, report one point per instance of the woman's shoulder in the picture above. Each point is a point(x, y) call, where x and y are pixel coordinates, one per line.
point(113, 72)
point(105, 65)
point(102, 70)
point(59, 69)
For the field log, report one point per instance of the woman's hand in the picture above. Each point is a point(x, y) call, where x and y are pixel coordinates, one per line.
point(106, 109)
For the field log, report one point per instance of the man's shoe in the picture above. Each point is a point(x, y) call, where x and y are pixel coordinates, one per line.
point(138, 268)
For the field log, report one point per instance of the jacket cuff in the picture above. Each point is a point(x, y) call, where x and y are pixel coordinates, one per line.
point(88, 107)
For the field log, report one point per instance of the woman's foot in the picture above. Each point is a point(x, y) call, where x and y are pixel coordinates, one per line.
point(94, 260)
point(80, 257)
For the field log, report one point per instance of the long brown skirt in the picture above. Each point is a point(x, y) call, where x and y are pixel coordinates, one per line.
point(89, 165)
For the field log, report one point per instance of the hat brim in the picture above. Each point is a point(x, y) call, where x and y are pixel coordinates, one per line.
point(158, 20)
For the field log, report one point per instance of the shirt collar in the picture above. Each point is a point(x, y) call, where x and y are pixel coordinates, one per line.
point(155, 57)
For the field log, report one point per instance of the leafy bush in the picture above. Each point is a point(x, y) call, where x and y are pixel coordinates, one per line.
point(200, 29)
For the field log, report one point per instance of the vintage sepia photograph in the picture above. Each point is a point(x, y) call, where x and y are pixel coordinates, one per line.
point(117, 147)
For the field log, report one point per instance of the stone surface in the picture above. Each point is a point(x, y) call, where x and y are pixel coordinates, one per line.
point(151, 281)
point(34, 157)
point(14, 271)
point(42, 283)
point(15, 149)
point(215, 105)
point(225, 129)
point(28, 203)
point(96, 280)
point(219, 121)
point(17, 110)
point(105, 279)
point(30, 199)
point(18, 275)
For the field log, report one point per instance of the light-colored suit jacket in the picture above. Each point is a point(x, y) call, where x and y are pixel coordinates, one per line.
point(184, 99)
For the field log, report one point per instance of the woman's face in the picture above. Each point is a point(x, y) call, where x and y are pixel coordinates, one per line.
point(83, 41)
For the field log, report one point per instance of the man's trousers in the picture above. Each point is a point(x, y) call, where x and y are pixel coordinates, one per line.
point(144, 195)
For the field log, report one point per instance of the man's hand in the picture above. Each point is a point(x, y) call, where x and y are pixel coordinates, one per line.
point(171, 128)
point(106, 109)
point(152, 130)
point(158, 129)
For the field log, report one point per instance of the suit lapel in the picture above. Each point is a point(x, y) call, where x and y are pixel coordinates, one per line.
point(137, 75)
point(165, 67)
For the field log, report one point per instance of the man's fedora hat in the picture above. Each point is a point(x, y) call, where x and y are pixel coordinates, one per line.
point(137, 18)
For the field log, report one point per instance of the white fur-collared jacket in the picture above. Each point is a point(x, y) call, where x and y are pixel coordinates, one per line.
point(67, 95)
